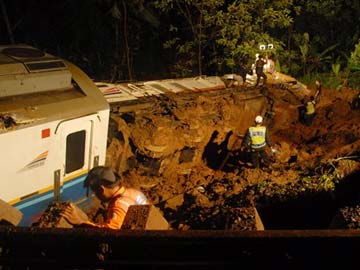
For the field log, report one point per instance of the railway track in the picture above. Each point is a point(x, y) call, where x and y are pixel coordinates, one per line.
point(34, 248)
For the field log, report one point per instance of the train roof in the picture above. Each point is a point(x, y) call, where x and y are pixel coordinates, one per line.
point(135, 91)
point(38, 87)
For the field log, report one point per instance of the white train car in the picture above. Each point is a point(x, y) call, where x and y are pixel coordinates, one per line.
point(53, 129)
point(125, 92)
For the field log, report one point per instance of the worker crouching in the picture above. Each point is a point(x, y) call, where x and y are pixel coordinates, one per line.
point(108, 188)
point(256, 139)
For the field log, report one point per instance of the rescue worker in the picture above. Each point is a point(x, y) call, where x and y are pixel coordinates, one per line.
point(108, 188)
point(309, 111)
point(259, 69)
point(256, 139)
point(253, 66)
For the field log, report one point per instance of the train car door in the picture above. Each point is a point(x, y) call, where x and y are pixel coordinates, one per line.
point(75, 159)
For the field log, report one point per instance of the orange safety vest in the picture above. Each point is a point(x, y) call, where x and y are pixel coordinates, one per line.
point(257, 135)
point(119, 205)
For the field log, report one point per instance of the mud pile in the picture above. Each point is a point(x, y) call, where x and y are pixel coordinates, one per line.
point(51, 217)
point(185, 154)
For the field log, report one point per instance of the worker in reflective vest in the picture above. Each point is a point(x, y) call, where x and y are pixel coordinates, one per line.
point(257, 138)
point(309, 114)
point(108, 188)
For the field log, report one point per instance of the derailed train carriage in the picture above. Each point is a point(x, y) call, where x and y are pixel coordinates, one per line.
point(53, 129)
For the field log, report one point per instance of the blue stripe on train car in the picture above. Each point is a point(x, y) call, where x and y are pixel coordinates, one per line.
point(33, 207)
point(74, 190)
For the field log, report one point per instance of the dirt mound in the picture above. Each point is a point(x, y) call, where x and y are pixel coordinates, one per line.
point(51, 217)
point(334, 132)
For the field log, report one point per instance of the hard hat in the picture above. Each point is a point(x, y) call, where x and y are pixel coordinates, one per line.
point(258, 119)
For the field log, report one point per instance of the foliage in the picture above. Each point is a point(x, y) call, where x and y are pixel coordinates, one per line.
point(327, 23)
point(329, 80)
point(354, 67)
point(354, 61)
point(330, 21)
point(304, 50)
point(354, 80)
point(325, 180)
point(334, 80)
point(312, 60)
point(336, 69)
point(209, 37)
point(189, 16)
point(223, 32)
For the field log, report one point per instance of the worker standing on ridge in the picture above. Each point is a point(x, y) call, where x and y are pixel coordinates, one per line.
point(253, 66)
point(257, 138)
point(108, 188)
point(259, 68)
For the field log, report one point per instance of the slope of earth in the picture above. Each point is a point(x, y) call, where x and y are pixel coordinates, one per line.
point(186, 155)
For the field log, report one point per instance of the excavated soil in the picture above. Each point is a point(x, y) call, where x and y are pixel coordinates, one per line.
point(185, 155)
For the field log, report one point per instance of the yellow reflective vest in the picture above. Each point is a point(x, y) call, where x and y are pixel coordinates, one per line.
point(257, 135)
point(310, 107)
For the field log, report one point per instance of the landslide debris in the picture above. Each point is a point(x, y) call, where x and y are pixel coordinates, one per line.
point(311, 159)
point(51, 217)
point(184, 153)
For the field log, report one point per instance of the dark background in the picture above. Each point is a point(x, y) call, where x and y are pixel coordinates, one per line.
point(91, 34)
point(84, 32)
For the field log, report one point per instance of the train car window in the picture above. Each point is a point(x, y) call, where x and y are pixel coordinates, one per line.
point(75, 151)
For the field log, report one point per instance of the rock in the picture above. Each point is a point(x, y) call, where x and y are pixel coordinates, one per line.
point(244, 219)
point(51, 217)
point(144, 217)
point(9, 214)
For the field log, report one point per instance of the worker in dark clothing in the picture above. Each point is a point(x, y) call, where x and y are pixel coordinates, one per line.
point(256, 139)
point(259, 69)
point(108, 188)
point(242, 71)
point(308, 113)
point(239, 74)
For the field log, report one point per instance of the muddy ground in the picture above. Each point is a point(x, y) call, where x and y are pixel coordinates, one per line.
point(186, 156)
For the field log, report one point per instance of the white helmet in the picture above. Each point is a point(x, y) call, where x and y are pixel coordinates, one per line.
point(258, 119)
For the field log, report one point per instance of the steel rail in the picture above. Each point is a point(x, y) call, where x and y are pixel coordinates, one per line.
point(35, 248)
